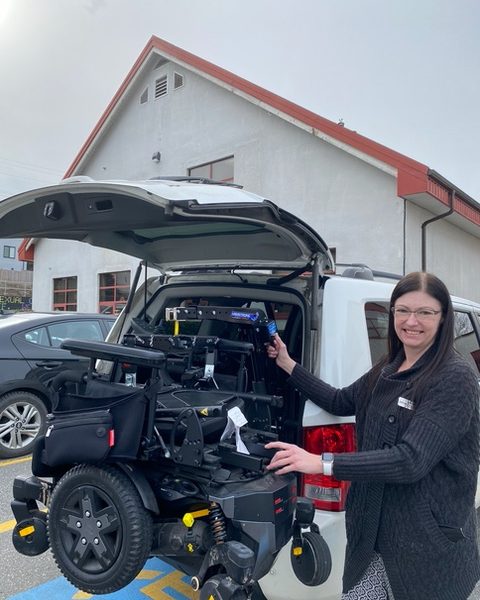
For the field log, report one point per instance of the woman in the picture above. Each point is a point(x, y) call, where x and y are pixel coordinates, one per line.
point(410, 514)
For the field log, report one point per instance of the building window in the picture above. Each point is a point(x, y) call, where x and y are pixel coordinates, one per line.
point(9, 252)
point(219, 170)
point(161, 87)
point(177, 81)
point(113, 290)
point(65, 293)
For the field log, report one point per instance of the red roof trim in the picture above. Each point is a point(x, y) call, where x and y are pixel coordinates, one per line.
point(307, 117)
point(26, 252)
point(412, 176)
point(410, 186)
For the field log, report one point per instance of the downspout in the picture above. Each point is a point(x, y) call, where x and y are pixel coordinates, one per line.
point(451, 197)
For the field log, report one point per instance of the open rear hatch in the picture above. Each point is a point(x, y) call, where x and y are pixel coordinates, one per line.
point(171, 225)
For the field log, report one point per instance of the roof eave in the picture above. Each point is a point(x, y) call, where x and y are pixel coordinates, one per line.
point(348, 140)
point(435, 193)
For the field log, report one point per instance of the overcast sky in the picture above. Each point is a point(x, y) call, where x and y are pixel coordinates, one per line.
point(405, 73)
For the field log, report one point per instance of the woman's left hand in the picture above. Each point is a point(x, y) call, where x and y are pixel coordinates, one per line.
point(290, 457)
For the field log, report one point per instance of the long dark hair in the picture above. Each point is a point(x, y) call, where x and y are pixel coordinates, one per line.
point(442, 346)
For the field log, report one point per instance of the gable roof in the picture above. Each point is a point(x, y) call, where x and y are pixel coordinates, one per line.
point(415, 181)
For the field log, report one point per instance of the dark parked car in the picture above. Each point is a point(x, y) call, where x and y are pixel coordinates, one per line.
point(30, 356)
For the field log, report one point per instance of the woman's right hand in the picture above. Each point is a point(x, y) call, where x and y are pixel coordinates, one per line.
point(278, 350)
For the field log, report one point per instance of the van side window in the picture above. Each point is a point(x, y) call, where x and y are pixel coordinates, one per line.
point(466, 341)
point(376, 315)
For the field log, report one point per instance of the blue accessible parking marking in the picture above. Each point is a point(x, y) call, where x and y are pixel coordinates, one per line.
point(157, 581)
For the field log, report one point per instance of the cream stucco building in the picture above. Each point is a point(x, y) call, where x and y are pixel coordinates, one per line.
point(177, 114)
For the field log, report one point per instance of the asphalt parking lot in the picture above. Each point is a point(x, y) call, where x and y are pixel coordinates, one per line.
point(37, 578)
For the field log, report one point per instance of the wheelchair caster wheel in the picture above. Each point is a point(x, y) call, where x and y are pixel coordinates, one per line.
point(222, 587)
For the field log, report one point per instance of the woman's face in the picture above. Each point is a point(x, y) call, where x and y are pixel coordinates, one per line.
point(417, 317)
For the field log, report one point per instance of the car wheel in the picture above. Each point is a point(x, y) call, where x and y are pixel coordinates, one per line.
point(22, 420)
point(100, 533)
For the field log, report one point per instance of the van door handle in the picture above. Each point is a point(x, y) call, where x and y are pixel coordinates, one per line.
point(49, 364)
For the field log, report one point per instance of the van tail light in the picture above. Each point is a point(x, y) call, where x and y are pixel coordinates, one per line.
point(326, 492)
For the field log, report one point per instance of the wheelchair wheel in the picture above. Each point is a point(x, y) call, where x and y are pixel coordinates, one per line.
point(99, 531)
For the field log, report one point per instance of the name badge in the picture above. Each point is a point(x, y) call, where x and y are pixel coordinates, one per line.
point(405, 403)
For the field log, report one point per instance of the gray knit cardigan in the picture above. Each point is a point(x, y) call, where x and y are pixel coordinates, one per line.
point(413, 479)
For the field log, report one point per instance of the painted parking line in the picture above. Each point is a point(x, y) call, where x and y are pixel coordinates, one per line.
point(14, 461)
point(7, 526)
point(157, 581)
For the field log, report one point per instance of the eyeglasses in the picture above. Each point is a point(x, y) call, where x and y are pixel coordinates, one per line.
point(423, 314)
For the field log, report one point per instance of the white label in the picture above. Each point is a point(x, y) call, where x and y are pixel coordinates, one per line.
point(405, 403)
point(237, 417)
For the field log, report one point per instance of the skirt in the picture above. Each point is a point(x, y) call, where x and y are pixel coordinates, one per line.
point(374, 584)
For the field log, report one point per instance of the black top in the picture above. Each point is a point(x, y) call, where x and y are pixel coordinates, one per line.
point(414, 476)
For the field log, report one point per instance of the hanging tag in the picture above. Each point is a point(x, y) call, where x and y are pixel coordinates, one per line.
point(236, 419)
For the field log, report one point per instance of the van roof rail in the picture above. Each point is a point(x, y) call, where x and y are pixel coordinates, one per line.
point(361, 271)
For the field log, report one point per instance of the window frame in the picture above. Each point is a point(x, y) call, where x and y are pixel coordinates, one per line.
point(116, 304)
point(210, 165)
point(9, 250)
point(66, 305)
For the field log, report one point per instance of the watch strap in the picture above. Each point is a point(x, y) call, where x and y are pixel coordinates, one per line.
point(327, 462)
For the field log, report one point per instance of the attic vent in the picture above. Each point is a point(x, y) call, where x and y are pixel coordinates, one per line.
point(161, 87)
point(144, 96)
point(177, 81)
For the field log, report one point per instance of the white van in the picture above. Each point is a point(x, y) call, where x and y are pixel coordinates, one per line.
point(351, 335)
point(217, 246)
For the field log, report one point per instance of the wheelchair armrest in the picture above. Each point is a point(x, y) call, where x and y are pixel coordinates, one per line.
point(235, 347)
point(115, 352)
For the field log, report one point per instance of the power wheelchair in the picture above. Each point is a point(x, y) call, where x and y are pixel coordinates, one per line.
point(171, 466)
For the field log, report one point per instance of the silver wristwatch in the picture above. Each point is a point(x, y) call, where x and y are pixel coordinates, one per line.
point(327, 462)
